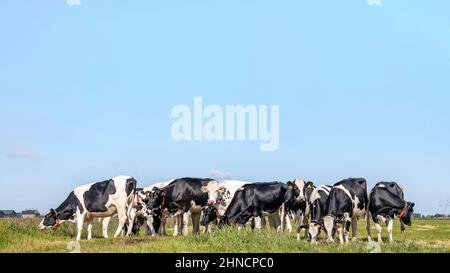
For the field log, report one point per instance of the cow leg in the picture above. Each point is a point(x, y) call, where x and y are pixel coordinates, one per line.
point(186, 216)
point(121, 213)
point(281, 217)
point(299, 224)
point(354, 228)
point(89, 229)
point(288, 223)
point(347, 225)
point(258, 223)
point(177, 226)
point(162, 229)
point(402, 227)
point(195, 222)
point(339, 231)
point(105, 224)
point(329, 224)
point(369, 232)
point(150, 230)
point(131, 218)
point(378, 228)
point(80, 224)
point(390, 228)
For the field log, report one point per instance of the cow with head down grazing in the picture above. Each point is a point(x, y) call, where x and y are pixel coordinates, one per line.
point(385, 204)
point(96, 200)
point(181, 198)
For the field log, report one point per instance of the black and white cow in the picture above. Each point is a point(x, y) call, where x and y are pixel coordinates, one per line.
point(387, 202)
point(347, 202)
point(220, 196)
point(255, 200)
point(317, 203)
point(182, 198)
point(95, 200)
point(297, 202)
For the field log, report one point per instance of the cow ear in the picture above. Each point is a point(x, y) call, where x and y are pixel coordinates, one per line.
point(412, 205)
point(309, 185)
point(221, 189)
point(204, 189)
point(290, 185)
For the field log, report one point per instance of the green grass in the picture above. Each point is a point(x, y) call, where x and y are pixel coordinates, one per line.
point(21, 235)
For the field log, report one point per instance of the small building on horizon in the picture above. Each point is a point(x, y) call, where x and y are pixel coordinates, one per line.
point(8, 214)
point(30, 213)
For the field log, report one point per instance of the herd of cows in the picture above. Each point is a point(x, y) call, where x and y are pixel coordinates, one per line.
point(207, 202)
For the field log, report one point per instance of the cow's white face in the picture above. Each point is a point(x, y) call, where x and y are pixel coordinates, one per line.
point(215, 192)
point(300, 183)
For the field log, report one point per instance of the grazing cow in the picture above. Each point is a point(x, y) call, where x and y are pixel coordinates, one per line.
point(297, 202)
point(96, 200)
point(387, 202)
point(317, 203)
point(219, 198)
point(347, 202)
point(256, 200)
point(156, 220)
point(182, 198)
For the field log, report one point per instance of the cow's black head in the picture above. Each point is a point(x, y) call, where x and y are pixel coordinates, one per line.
point(406, 213)
point(308, 189)
point(209, 214)
point(292, 193)
point(156, 198)
point(50, 220)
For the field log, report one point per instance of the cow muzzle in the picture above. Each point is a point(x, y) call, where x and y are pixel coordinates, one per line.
point(211, 202)
point(300, 199)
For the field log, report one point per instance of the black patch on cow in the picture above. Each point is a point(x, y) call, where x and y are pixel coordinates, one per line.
point(97, 196)
point(130, 186)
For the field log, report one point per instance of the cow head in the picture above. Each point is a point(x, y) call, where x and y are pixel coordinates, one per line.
point(155, 198)
point(50, 220)
point(215, 192)
point(406, 213)
point(292, 194)
point(210, 214)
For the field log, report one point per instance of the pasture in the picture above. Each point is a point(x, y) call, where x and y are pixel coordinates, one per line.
point(21, 235)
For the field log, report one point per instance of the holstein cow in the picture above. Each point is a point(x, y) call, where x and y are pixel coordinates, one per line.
point(155, 220)
point(95, 200)
point(347, 202)
point(219, 198)
point(296, 202)
point(387, 202)
point(317, 203)
point(182, 197)
point(256, 200)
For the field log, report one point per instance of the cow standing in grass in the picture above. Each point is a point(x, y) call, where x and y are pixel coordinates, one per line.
point(95, 200)
point(182, 198)
point(348, 201)
point(387, 202)
point(317, 203)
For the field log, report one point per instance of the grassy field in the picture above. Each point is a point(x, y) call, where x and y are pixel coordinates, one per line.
point(21, 235)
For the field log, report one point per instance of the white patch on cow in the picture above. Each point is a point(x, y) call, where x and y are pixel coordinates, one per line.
point(356, 211)
point(221, 194)
point(300, 183)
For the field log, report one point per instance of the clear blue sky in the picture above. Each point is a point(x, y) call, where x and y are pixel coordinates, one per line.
point(86, 92)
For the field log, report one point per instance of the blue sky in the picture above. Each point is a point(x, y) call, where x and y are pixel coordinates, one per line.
point(86, 92)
